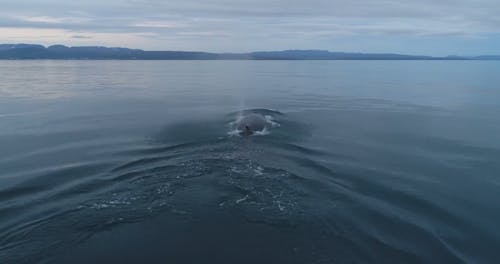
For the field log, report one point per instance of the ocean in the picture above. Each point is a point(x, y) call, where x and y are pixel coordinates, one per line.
point(138, 162)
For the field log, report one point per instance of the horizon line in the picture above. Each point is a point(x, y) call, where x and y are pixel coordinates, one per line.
point(316, 51)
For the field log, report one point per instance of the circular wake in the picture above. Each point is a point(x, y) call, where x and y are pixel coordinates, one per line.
point(257, 122)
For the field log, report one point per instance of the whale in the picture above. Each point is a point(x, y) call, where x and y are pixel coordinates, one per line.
point(250, 124)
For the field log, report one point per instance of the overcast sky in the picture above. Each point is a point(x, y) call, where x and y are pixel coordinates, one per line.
point(433, 27)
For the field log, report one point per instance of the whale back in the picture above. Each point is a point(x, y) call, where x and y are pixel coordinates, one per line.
point(251, 123)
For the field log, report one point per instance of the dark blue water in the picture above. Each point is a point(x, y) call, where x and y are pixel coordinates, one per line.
point(135, 162)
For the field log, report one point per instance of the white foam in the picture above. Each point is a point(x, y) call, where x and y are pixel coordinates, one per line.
point(259, 171)
point(270, 120)
point(242, 199)
point(263, 132)
point(234, 132)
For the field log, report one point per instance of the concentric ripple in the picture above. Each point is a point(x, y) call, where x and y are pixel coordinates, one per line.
point(270, 180)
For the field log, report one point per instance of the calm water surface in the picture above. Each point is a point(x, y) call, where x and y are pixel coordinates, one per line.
point(134, 162)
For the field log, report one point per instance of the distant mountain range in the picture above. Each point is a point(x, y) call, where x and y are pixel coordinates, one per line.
point(61, 52)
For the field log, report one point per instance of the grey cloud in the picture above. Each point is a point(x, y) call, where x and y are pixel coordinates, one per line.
point(177, 22)
point(81, 37)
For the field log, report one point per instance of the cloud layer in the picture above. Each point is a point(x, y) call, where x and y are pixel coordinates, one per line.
point(425, 26)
